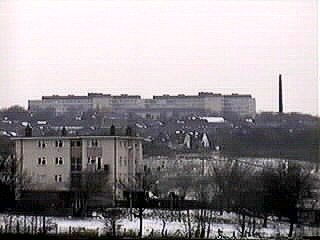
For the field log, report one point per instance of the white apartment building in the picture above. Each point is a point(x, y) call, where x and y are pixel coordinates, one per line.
point(55, 164)
point(157, 107)
point(242, 105)
point(72, 103)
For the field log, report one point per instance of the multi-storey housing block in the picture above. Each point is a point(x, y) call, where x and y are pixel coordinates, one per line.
point(158, 107)
point(52, 169)
point(241, 105)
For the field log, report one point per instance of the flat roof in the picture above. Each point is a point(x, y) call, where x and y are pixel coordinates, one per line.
point(74, 137)
point(126, 96)
point(238, 95)
point(175, 96)
point(64, 97)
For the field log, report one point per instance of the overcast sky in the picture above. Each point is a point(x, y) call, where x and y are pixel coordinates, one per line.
point(160, 47)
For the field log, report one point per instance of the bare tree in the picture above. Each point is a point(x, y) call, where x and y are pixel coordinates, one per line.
point(284, 188)
point(111, 216)
point(93, 189)
point(238, 190)
point(164, 215)
point(138, 195)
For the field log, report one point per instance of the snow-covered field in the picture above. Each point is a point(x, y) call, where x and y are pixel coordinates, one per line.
point(226, 223)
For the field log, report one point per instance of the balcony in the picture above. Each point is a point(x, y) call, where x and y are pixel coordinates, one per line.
point(76, 180)
point(81, 180)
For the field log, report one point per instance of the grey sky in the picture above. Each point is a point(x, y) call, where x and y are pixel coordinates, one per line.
point(155, 47)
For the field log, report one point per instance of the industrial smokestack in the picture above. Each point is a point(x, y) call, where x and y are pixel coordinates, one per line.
point(280, 95)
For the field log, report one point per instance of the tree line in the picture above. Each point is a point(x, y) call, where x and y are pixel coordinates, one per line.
point(299, 144)
point(254, 194)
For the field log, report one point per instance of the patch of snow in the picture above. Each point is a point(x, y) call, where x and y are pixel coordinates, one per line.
point(41, 122)
point(139, 125)
point(227, 223)
point(4, 133)
point(205, 141)
point(24, 124)
point(148, 139)
point(213, 119)
point(7, 121)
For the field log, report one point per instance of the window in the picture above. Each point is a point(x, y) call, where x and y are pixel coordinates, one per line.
point(73, 163)
point(59, 161)
point(76, 164)
point(94, 143)
point(120, 162)
point(99, 163)
point(59, 143)
point(91, 160)
point(76, 143)
point(41, 144)
point(120, 178)
point(58, 178)
point(106, 168)
point(42, 161)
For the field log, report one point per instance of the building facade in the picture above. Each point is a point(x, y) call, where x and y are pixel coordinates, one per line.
point(158, 107)
point(241, 105)
point(68, 167)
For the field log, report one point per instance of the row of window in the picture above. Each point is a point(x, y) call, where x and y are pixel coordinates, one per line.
point(125, 144)
point(44, 144)
point(76, 143)
point(91, 143)
point(43, 161)
point(57, 178)
point(59, 143)
point(76, 163)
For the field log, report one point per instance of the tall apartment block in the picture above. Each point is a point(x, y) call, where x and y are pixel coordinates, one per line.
point(159, 107)
point(62, 171)
point(241, 105)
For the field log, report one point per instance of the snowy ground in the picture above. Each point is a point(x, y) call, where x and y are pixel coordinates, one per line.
point(227, 223)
